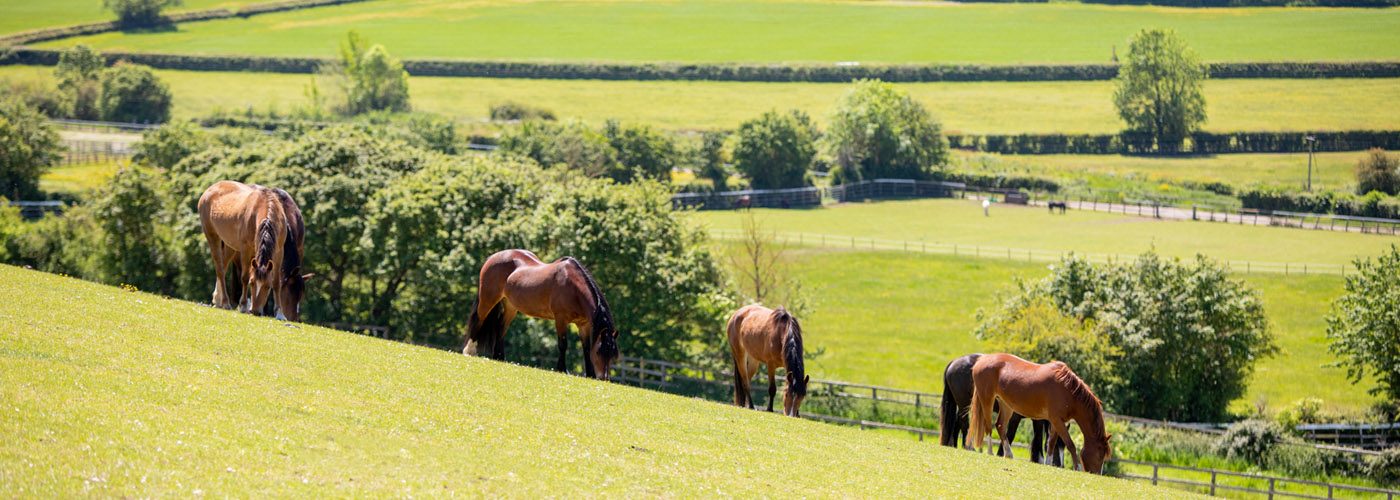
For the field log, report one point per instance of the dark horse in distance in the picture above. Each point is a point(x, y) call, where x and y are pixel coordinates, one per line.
point(957, 400)
point(514, 281)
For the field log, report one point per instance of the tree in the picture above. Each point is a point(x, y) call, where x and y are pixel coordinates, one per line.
point(139, 13)
point(136, 244)
point(165, 146)
point(776, 149)
point(28, 147)
point(78, 71)
point(708, 160)
point(1159, 339)
point(1159, 88)
point(1364, 324)
point(372, 80)
point(641, 152)
point(879, 131)
point(571, 144)
point(1377, 172)
point(132, 93)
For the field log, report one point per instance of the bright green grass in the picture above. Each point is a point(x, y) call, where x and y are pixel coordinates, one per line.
point(110, 393)
point(21, 15)
point(1034, 228)
point(896, 319)
point(782, 30)
point(985, 107)
point(77, 178)
point(1333, 171)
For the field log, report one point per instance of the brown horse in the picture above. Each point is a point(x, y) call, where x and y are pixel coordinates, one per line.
point(758, 334)
point(293, 288)
point(1043, 392)
point(245, 222)
point(957, 401)
point(517, 281)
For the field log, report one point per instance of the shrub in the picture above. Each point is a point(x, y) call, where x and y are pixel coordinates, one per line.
point(1249, 441)
point(879, 131)
point(28, 147)
point(78, 72)
point(1377, 172)
point(1385, 468)
point(136, 245)
point(132, 93)
point(642, 152)
point(370, 79)
point(1363, 326)
point(1302, 411)
point(708, 159)
point(139, 13)
point(165, 146)
point(511, 110)
point(570, 143)
point(775, 150)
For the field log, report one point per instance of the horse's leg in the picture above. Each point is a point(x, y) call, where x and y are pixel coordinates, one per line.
point(1038, 440)
point(1012, 425)
point(585, 338)
point(1003, 418)
point(772, 386)
point(561, 332)
point(1063, 433)
point(216, 251)
point(750, 367)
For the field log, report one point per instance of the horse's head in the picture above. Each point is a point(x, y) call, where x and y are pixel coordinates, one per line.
point(795, 393)
point(1096, 453)
point(603, 353)
point(261, 283)
point(289, 296)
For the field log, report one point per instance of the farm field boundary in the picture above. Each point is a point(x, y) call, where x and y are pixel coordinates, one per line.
point(61, 32)
point(737, 72)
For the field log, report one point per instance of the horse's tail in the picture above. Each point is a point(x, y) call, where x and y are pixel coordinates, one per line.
point(980, 421)
point(948, 432)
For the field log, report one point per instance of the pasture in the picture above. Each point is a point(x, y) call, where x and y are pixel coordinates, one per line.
point(1333, 171)
point(77, 178)
point(979, 107)
point(110, 392)
point(776, 31)
point(24, 15)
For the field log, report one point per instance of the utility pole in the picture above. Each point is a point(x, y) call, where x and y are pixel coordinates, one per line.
point(1312, 140)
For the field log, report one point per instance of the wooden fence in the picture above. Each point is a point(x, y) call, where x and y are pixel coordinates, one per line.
point(34, 210)
point(894, 188)
point(765, 198)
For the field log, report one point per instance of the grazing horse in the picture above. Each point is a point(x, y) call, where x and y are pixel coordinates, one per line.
point(514, 281)
point(246, 224)
point(744, 202)
point(758, 334)
point(1044, 392)
point(293, 288)
point(1058, 204)
point(957, 399)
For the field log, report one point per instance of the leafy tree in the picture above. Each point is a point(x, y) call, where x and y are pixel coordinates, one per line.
point(1159, 338)
point(1377, 172)
point(776, 149)
point(11, 229)
point(879, 131)
point(1159, 88)
point(135, 246)
point(641, 151)
point(28, 147)
point(139, 13)
point(78, 71)
point(372, 79)
point(570, 143)
point(165, 146)
point(132, 93)
point(709, 158)
point(1364, 324)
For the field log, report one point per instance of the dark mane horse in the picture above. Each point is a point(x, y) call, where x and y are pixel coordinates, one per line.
point(771, 337)
point(293, 288)
point(245, 225)
point(514, 281)
point(957, 400)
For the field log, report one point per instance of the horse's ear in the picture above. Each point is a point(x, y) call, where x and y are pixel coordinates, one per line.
point(1106, 437)
point(806, 379)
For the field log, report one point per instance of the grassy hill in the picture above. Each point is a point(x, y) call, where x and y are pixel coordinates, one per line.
point(778, 30)
point(117, 393)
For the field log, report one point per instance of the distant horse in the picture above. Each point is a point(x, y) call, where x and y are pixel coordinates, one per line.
point(758, 334)
point(293, 288)
point(744, 202)
point(957, 399)
point(517, 281)
point(1044, 392)
point(245, 224)
point(1058, 204)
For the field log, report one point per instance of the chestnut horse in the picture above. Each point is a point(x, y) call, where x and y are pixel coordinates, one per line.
point(758, 334)
point(245, 222)
point(957, 399)
point(515, 281)
point(293, 282)
point(1044, 392)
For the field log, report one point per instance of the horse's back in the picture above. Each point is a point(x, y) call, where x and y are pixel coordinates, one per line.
point(751, 328)
point(227, 207)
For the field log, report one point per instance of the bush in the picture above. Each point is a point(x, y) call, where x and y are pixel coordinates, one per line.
point(165, 146)
point(370, 79)
point(878, 131)
point(132, 93)
point(1385, 468)
point(1179, 339)
point(1302, 411)
point(136, 245)
point(510, 110)
point(775, 150)
point(1363, 326)
point(1377, 172)
point(641, 151)
point(28, 147)
point(1249, 441)
point(78, 72)
point(708, 160)
point(570, 143)
point(139, 13)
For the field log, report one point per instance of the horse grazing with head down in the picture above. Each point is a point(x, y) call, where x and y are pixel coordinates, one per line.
point(293, 287)
point(515, 281)
point(758, 334)
point(245, 224)
point(957, 400)
point(1044, 392)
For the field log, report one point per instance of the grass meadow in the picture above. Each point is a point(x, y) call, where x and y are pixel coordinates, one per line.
point(20, 15)
point(116, 393)
point(77, 178)
point(781, 30)
point(979, 107)
point(1335, 171)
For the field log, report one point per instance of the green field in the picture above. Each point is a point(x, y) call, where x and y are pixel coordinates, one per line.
point(112, 393)
point(987, 107)
point(77, 178)
point(782, 30)
point(20, 15)
point(1333, 171)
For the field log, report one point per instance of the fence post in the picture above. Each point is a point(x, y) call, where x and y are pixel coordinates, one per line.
point(1271, 488)
point(1212, 483)
point(1329, 491)
point(1154, 474)
point(916, 403)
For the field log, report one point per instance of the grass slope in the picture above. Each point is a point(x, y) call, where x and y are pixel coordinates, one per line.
point(986, 107)
point(115, 393)
point(783, 30)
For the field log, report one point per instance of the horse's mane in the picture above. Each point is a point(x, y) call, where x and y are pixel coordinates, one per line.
point(792, 350)
point(602, 320)
point(267, 240)
point(291, 258)
point(1081, 393)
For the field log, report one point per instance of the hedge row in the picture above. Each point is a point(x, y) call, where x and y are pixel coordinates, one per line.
point(999, 181)
point(1373, 204)
point(59, 32)
point(724, 71)
point(1198, 143)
